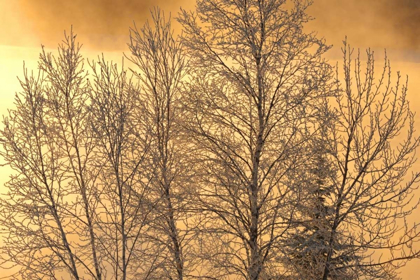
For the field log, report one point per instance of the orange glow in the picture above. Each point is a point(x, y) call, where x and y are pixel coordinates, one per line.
point(103, 26)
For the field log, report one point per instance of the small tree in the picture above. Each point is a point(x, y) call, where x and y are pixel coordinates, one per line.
point(307, 245)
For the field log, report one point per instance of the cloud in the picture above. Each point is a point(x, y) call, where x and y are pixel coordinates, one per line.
point(100, 24)
point(392, 24)
point(104, 24)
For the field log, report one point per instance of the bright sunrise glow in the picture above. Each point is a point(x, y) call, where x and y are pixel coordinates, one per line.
point(102, 26)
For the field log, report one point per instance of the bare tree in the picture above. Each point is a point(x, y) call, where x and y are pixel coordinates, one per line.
point(33, 213)
point(371, 146)
point(79, 203)
point(161, 65)
point(122, 144)
point(50, 211)
point(67, 96)
point(256, 78)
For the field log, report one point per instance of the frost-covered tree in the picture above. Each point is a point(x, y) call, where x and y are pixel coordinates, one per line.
point(50, 207)
point(371, 145)
point(307, 245)
point(352, 221)
point(122, 144)
point(256, 78)
point(160, 68)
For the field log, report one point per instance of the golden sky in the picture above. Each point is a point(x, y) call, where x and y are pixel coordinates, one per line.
point(102, 26)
